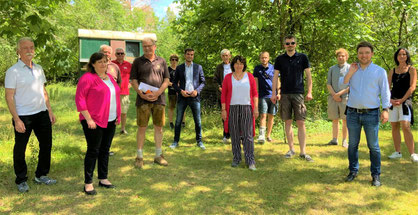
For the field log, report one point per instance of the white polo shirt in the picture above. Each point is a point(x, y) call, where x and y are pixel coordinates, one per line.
point(29, 88)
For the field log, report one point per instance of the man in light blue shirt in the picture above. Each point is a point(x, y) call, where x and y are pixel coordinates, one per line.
point(366, 81)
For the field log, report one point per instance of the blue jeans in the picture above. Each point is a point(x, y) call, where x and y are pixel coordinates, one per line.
point(370, 122)
point(182, 104)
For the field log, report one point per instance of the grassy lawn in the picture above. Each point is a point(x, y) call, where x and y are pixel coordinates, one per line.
point(202, 182)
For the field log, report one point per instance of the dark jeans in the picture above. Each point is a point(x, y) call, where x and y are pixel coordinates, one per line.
point(98, 145)
point(41, 125)
point(182, 104)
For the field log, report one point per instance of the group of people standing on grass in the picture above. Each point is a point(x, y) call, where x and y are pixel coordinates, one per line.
point(356, 93)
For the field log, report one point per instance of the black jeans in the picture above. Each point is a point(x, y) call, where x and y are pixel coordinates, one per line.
point(98, 145)
point(41, 125)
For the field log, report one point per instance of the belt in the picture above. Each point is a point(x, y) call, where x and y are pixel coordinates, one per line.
point(361, 110)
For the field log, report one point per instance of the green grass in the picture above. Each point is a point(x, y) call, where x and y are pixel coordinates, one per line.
point(202, 182)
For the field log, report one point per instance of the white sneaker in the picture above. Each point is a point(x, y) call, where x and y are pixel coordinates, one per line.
point(414, 158)
point(225, 140)
point(345, 144)
point(261, 139)
point(395, 155)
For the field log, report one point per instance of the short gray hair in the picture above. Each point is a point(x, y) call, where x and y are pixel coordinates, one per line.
point(225, 51)
point(21, 40)
point(149, 39)
point(119, 49)
point(103, 47)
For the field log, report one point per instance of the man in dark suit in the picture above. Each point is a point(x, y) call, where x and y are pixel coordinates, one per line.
point(188, 83)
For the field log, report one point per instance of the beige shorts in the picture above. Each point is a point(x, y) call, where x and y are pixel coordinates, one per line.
point(336, 109)
point(124, 103)
point(144, 111)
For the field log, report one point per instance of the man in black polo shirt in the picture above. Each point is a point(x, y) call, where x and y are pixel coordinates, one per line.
point(292, 67)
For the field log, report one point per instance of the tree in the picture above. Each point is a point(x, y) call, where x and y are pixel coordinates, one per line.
point(53, 25)
point(22, 18)
point(248, 27)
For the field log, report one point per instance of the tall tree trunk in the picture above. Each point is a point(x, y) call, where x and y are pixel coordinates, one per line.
point(400, 27)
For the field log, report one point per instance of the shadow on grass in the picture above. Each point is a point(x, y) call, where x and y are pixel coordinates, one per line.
point(202, 182)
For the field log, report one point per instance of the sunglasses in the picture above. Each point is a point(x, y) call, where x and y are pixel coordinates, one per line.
point(292, 43)
point(174, 59)
point(120, 53)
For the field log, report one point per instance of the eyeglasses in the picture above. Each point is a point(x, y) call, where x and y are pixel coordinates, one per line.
point(120, 53)
point(292, 43)
point(174, 59)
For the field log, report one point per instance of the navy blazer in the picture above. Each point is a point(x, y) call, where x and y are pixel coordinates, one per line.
point(179, 81)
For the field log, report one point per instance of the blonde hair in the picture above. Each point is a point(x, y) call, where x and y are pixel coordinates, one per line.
point(174, 56)
point(341, 50)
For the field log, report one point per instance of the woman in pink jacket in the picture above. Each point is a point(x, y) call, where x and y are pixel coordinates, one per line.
point(239, 101)
point(98, 100)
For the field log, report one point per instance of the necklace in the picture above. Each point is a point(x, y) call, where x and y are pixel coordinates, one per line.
point(402, 69)
point(103, 78)
point(238, 77)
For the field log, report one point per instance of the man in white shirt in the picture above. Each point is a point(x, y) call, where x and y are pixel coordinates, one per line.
point(188, 82)
point(222, 70)
point(29, 106)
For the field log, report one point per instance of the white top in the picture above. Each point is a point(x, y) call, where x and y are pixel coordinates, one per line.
point(241, 91)
point(227, 69)
point(112, 110)
point(29, 87)
point(189, 78)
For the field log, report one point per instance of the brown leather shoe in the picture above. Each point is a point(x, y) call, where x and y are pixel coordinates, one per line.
point(139, 162)
point(161, 161)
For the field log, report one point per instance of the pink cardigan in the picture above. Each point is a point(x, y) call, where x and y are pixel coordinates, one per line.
point(93, 95)
point(227, 95)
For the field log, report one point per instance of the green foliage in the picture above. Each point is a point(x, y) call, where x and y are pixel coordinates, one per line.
point(202, 182)
point(53, 25)
point(23, 18)
point(168, 39)
point(248, 27)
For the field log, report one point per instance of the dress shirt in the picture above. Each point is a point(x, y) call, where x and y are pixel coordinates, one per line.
point(366, 86)
point(189, 78)
point(227, 69)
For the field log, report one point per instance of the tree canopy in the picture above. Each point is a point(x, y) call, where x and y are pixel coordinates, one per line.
point(246, 27)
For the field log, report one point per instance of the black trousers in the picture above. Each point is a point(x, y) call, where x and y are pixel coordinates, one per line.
point(41, 125)
point(99, 141)
point(226, 135)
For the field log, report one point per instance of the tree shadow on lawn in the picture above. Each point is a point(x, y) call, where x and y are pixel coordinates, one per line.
point(194, 183)
point(398, 174)
point(199, 181)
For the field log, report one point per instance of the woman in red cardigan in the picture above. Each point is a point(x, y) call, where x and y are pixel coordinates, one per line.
point(239, 101)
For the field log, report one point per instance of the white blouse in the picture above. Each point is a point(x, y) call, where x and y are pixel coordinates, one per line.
point(241, 91)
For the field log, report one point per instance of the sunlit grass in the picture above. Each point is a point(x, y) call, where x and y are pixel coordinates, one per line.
point(202, 182)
